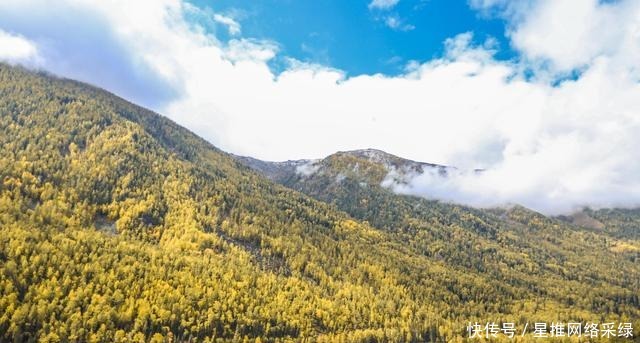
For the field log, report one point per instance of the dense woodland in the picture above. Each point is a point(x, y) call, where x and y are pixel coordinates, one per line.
point(117, 225)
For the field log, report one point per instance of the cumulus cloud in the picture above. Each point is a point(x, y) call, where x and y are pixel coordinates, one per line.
point(104, 43)
point(14, 48)
point(567, 34)
point(549, 145)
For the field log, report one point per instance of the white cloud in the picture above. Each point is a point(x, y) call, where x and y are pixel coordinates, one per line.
point(249, 50)
point(15, 48)
point(383, 4)
point(396, 23)
point(308, 169)
point(232, 25)
point(513, 9)
point(391, 20)
point(569, 34)
point(550, 148)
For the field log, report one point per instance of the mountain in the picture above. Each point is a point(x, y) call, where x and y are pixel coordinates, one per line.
point(116, 224)
point(371, 164)
point(509, 244)
point(617, 222)
point(363, 180)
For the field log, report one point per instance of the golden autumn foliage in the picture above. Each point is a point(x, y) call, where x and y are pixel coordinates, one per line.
point(117, 225)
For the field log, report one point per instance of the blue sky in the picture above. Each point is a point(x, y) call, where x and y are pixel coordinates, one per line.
point(353, 37)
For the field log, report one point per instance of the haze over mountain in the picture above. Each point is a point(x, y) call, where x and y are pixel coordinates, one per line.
point(117, 224)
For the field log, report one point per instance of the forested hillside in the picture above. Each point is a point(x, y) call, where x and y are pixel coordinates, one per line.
point(515, 246)
point(118, 225)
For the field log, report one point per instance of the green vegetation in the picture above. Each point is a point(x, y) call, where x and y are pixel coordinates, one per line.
point(620, 223)
point(117, 225)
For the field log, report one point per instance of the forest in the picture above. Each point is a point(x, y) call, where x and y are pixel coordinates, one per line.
point(118, 225)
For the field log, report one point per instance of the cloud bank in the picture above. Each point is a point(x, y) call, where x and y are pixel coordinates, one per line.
point(557, 129)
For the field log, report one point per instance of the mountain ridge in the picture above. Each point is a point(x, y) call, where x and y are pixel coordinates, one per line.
point(117, 224)
point(282, 171)
point(401, 168)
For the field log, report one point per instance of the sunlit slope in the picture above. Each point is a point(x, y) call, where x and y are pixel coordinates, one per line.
point(555, 258)
point(117, 224)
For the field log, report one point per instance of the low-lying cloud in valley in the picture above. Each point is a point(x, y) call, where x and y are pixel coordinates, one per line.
point(556, 129)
